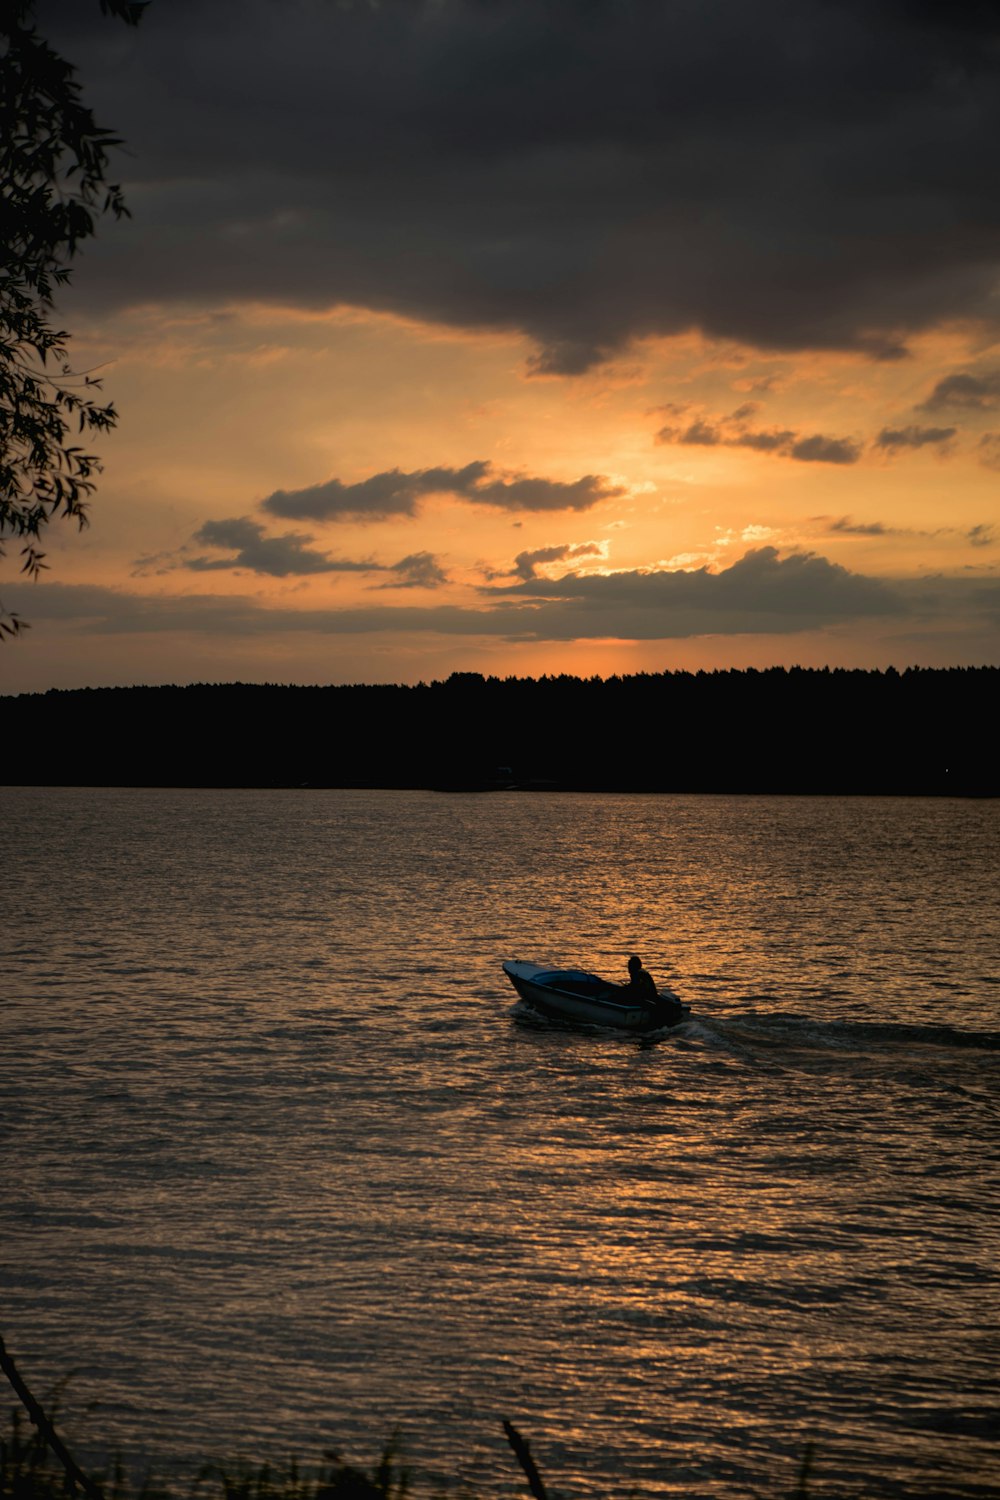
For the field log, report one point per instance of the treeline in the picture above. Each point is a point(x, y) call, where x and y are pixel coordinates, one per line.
point(798, 730)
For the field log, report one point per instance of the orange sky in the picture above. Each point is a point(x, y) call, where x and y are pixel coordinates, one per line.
point(697, 500)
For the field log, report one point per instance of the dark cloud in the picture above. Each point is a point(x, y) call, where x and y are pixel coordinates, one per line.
point(420, 570)
point(847, 527)
point(988, 449)
point(965, 392)
point(526, 563)
point(289, 555)
point(97, 610)
point(544, 494)
point(391, 493)
point(776, 441)
point(892, 439)
point(978, 536)
point(793, 176)
point(759, 385)
point(394, 493)
point(276, 556)
point(732, 432)
point(763, 592)
point(760, 594)
point(825, 450)
point(700, 434)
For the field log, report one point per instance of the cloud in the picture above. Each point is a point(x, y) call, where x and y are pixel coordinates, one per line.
point(420, 570)
point(289, 555)
point(761, 594)
point(788, 179)
point(390, 493)
point(846, 527)
point(892, 439)
point(825, 450)
point(758, 384)
point(732, 432)
point(526, 563)
point(276, 556)
point(394, 493)
point(981, 535)
point(988, 449)
point(700, 434)
point(545, 494)
point(777, 441)
point(98, 610)
point(964, 391)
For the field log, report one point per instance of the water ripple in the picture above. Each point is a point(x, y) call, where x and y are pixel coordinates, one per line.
point(287, 1166)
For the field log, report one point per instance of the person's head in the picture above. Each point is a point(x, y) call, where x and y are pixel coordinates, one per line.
point(634, 964)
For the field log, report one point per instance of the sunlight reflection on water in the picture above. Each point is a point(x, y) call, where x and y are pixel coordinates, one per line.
point(284, 1167)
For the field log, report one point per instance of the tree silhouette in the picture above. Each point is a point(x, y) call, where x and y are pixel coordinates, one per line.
point(53, 187)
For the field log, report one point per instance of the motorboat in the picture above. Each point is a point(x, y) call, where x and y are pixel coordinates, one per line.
point(574, 995)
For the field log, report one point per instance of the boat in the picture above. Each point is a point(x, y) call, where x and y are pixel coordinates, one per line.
point(574, 995)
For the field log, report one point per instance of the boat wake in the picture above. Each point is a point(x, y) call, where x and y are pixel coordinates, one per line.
point(886, 1054)
point(783, 1028)
point(769, 1040)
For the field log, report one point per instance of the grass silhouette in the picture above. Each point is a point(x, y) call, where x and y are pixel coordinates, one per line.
point(35, 1464)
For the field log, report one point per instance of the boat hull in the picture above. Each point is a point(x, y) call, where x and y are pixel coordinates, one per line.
point(573, 995)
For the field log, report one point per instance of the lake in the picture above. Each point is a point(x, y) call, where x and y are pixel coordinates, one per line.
point(286, 1165)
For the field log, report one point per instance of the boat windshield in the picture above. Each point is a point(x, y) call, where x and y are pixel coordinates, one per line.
point(567, 976)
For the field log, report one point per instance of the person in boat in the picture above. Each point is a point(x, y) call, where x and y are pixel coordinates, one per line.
point(641, 985)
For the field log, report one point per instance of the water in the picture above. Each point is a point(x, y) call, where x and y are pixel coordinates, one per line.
point(285, 1164)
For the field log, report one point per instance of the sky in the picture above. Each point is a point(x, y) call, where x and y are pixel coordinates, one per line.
point(527, 336)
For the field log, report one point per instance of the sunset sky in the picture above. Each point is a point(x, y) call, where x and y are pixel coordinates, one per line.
point(592, 336)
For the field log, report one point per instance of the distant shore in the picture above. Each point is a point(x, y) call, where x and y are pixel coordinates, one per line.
point(922, 732)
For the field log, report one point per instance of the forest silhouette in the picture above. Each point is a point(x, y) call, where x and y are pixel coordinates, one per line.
point(921, 732)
